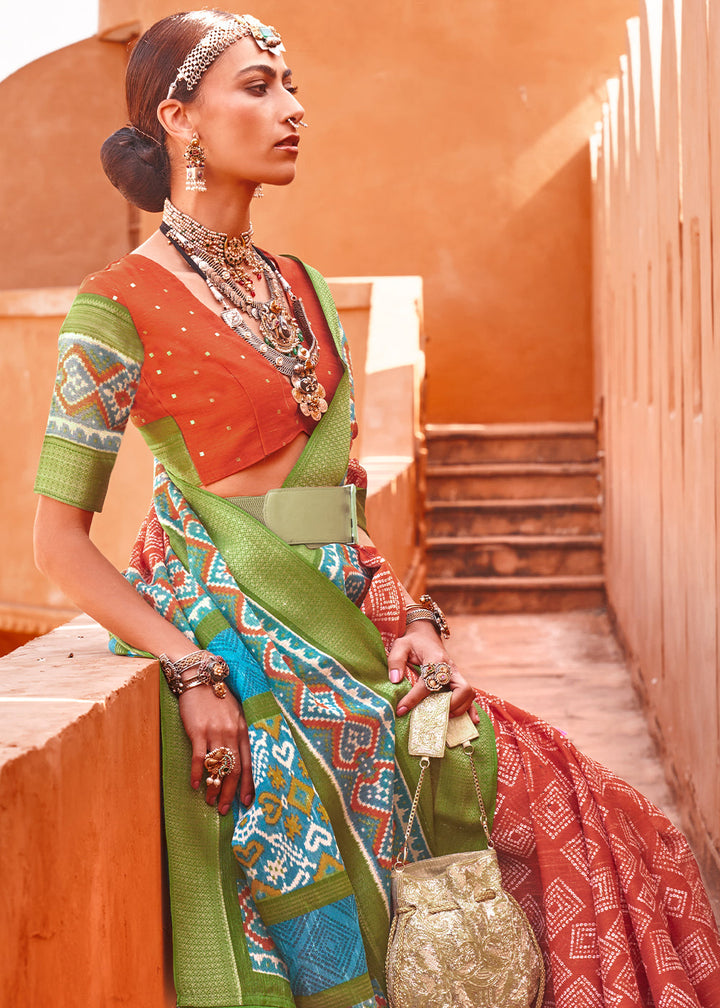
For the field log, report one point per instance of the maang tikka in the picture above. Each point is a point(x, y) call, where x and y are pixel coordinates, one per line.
point(195, 166)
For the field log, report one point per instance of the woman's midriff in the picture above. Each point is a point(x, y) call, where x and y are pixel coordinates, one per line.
point(268, 473)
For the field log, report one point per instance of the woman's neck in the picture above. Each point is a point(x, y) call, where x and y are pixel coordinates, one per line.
point(216, 210)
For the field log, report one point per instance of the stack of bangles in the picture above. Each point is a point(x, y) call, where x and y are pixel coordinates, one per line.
point(435, 676)
point(428, 610)
point(210, 670)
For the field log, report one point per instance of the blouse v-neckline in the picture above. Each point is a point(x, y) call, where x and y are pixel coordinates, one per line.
point(184, 287)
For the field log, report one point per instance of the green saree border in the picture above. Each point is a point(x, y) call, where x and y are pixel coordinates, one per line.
point(208, 932)
point(276, 576)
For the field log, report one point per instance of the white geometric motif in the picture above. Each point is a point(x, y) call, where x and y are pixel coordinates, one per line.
point(581, 994)
point(583, 941)
point(673, 997)
point(554, 813)
point(699, 959)
point(561, 905)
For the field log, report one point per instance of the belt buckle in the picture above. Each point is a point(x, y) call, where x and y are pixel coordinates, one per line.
point(312, 516)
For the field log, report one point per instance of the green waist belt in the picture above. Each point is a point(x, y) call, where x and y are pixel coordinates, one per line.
point(312, 516)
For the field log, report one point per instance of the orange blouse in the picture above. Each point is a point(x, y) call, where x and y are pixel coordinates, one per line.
point(232, 406)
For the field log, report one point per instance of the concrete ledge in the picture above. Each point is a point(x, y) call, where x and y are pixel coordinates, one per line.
point(80, 826)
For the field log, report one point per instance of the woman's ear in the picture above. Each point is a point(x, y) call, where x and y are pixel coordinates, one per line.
point(175, 120)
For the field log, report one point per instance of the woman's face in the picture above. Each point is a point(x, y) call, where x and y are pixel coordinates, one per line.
point(241, 117)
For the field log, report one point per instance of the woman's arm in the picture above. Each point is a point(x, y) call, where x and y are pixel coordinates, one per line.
point(66, 555)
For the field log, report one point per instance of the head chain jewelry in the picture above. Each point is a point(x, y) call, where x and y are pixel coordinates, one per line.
point(216, 41)
point(219, 763)
point(136, 129)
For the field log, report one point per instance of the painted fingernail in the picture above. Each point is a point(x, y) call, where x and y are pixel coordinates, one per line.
point(395, 675)
point(247, 799)
point(224, 809)
point(400, 711)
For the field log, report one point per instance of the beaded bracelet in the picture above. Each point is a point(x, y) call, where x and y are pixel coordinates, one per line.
point(211, 670)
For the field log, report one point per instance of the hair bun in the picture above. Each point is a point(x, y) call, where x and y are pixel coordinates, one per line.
point(137, 165)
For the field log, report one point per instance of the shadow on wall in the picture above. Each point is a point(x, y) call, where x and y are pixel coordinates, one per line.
point(530, 250)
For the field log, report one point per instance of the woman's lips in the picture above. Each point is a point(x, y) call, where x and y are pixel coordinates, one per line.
point(288, 143)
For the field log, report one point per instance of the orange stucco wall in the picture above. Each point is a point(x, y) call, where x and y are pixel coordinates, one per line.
point(60, 217)
point(448, 142)
point(80, 827)
point(657, 287)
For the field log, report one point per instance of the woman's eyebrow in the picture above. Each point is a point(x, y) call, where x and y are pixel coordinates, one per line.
point(266, 69)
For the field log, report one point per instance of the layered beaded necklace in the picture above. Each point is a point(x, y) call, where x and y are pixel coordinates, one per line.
point(229, 266)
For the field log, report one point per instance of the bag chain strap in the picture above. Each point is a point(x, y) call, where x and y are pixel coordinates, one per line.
point(468, 749)
point(400, 863)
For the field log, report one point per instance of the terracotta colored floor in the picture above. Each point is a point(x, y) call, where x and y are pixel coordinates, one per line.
point(568, 669)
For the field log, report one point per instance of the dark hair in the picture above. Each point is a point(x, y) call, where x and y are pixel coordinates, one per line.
point(135, 158)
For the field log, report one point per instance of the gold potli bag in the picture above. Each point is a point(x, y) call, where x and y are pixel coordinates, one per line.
point(457, 939)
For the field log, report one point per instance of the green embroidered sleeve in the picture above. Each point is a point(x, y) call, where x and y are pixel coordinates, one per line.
point(99, 362)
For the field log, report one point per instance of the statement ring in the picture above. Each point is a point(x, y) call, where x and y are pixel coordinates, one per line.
point(436, 677)
point(219, 763)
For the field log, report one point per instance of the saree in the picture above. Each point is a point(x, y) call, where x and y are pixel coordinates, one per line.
point(287, 903)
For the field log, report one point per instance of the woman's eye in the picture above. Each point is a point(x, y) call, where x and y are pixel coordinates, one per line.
point(260, 88)
point(292, 88)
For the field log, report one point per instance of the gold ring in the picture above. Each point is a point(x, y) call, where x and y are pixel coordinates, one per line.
point(219, 763)
point(436, 676)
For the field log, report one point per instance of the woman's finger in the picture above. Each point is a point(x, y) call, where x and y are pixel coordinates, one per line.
point(241, 779)
point(197, 765)
point(398, 659)
point(247, 785)
point(411, 699)
point(462, 699)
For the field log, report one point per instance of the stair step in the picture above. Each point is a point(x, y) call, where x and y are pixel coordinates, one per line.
point(531, 516)
point(517, 594)
point(540, 442)
point(514, 555)
point(513, 479)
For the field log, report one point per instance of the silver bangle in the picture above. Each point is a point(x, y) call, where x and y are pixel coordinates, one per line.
point(431, 611)
point(211, 670)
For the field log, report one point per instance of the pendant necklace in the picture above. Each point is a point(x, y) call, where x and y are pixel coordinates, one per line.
point(228, 266)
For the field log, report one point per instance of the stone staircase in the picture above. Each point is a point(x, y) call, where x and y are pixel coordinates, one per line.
point(513, 517)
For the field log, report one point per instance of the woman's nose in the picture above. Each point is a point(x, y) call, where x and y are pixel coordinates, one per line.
point(298, 112)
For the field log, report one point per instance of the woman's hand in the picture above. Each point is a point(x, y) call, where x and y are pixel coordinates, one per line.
point(421, 645)
point(211, 723)
point(94, 585)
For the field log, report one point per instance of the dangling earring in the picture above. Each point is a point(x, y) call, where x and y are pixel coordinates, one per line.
point(195, 166)
point(258, 194)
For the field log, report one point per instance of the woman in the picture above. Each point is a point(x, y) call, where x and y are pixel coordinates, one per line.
point(284, 637)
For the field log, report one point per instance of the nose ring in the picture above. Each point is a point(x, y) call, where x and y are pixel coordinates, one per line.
point(299, 122)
